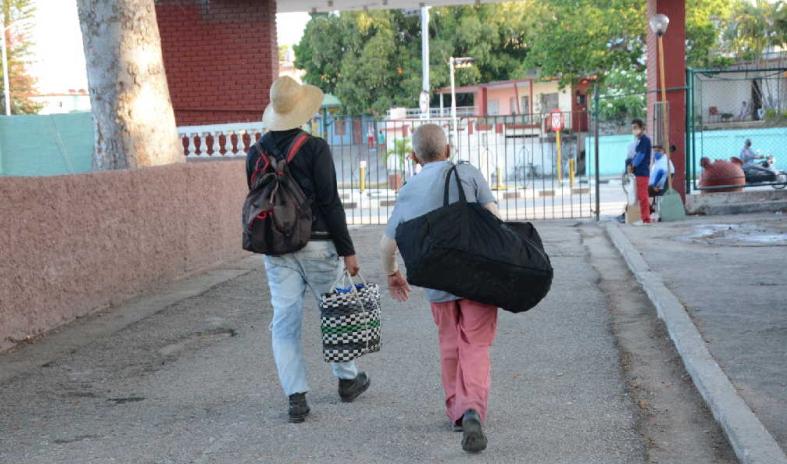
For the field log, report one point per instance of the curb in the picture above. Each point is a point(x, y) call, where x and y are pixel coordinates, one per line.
point(752, 443)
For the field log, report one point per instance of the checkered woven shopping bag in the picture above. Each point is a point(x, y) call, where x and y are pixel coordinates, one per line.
point(350, 320)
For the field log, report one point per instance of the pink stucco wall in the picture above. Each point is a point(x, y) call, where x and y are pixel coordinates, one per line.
point(73, 244)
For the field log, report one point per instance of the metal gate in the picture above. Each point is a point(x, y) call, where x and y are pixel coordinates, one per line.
point(535, 170)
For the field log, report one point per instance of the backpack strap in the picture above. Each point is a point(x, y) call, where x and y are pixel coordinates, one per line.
point(300, 139)
point(264, 146)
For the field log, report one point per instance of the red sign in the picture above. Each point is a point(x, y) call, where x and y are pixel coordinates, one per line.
point(556, 121)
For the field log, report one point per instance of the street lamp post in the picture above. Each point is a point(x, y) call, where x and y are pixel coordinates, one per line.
point(658, 24)
point(453, 63)
point(671, 206)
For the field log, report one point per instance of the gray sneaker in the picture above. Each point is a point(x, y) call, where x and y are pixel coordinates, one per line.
point(351, 389)
point(473, 438)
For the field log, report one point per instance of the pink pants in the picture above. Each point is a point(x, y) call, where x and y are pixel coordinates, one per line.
point(466, 330)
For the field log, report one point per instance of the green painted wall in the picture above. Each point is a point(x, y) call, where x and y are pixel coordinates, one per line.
point(39, 145)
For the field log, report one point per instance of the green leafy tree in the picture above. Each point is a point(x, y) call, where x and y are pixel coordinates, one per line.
point(575, 39)
point(372, 60)
point(755, 26)
point(623, 96)
point(17, 16)
point(704, 20)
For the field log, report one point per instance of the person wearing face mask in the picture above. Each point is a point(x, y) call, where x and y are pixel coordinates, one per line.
point(658, 172)
point(640, 166)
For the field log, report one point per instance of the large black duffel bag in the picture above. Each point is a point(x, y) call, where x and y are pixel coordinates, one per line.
point(464, 249)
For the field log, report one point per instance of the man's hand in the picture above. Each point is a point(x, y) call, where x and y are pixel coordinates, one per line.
point(351, 264)
point(398, 287)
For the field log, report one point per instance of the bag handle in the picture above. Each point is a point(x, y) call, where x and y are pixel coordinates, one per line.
point(455, 172)
point(346, 276)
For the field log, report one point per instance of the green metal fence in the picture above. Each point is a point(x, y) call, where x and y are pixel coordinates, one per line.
point(727, 107)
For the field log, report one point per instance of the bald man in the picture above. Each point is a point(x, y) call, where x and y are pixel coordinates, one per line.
point(466, 329)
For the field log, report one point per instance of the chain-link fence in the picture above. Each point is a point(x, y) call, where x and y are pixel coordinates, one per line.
point(738, 114)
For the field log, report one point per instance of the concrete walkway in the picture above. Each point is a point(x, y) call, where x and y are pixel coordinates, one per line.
point(190, 379)
point(729, 272)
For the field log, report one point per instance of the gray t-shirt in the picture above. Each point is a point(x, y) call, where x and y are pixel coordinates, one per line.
point(424, 193)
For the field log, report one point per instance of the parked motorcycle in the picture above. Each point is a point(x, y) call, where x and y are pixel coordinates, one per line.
point(765, 172)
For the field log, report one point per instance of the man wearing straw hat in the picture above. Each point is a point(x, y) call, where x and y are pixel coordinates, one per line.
point(317, 266)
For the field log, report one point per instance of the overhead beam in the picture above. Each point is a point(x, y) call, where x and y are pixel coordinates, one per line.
point(323, 6)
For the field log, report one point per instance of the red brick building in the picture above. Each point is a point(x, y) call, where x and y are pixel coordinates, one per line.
point(221, 58)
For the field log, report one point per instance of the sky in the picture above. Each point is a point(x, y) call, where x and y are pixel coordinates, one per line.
point(58, 61)
point(58, 58)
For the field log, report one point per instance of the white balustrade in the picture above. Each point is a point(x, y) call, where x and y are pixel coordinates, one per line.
point(219, 145)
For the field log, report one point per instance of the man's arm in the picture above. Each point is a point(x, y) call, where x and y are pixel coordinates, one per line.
point(397, 284)
point(657, 179)
point(326, 198)
point(493, 208)
point(250, 160)
point(388, 253)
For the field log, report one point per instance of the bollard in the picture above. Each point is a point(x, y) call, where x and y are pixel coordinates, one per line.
point(498, 184)
point(362, 180)
point(571, 172)
point(559, 157)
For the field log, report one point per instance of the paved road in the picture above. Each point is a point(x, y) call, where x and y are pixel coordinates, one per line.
point(195, 383)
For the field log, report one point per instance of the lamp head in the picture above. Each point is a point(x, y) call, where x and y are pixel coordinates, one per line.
point(462, 62)
point(658, 24)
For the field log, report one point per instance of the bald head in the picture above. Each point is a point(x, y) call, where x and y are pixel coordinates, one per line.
point(429, 143)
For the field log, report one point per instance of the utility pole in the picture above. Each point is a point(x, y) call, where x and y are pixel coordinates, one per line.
point(453, 102)
point(425, 86)
point(6, 81)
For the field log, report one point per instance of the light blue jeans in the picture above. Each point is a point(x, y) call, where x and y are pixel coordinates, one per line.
point(315, 267)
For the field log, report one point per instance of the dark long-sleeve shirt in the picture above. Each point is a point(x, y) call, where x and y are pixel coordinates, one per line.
point(641, 161)
point(315, 173)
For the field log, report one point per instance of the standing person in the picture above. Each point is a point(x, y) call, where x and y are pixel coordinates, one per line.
point(640, 165)
point(631, 150)
point(317, 266)
point(370, 137)
point(465, 328)
point(744, 112)
point(381, 140)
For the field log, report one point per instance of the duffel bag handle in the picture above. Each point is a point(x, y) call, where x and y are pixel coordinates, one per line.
point(455, 172)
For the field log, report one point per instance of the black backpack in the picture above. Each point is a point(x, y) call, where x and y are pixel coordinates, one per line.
point(464, 249)
point(277, 214)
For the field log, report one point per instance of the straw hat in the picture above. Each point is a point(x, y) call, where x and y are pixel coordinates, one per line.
point(292, 104)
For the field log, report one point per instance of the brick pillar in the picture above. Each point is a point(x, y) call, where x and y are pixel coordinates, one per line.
point(220, 57)
point(481, 101)
point(675, 66)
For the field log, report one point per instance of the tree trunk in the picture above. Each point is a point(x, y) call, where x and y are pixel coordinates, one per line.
point(132, 110)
